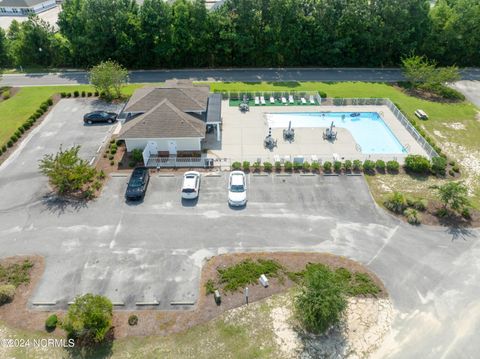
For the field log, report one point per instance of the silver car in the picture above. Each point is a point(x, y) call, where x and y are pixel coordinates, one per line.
point(237, 189)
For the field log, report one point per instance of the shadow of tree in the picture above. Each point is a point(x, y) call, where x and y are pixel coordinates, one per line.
point(90, 350)
point(331, 344)
point(289, 84)
point(60, 205)
point(460, 232)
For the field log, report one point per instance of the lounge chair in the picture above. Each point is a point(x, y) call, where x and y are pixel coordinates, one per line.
point(290, 99)
point(304, 102)
point(272, 100)
point(312, 100)
point(284, 100)
point(257, 101)
point(262, 100)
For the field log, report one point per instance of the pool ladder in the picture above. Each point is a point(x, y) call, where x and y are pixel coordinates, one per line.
point(358, 147)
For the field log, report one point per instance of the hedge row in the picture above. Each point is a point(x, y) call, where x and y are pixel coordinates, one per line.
point(79, 94)
point(26, 125)
point(367, 166)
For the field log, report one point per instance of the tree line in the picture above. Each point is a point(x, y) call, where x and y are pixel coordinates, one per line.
point(183, 33)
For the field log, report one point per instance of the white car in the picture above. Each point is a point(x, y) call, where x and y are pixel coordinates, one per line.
point(237, 189)
point(191, 185)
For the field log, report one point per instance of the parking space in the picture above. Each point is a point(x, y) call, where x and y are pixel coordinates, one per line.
point(63, 126)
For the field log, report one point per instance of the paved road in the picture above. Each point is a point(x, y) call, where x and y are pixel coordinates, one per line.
point(471, 90)
point(247, 75)
point(155, 249)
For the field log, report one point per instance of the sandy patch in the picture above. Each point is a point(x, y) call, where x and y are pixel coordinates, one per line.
point(438, 134)
point(470, 161)
point(455, 125)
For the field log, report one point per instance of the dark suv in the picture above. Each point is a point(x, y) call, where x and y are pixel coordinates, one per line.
point(137, 185)
point(99, 116)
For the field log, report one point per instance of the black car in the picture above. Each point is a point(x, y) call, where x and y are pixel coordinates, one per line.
point(137, 185)
point(99, 116)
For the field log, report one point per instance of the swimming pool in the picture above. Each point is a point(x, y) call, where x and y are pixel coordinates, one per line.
point(368, 129)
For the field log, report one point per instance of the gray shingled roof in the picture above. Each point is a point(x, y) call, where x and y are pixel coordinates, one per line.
point(20, 3)
point(188, 99)
point(164, 120)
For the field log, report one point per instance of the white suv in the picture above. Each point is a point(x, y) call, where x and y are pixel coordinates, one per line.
point(191, 185)
point(237, 189)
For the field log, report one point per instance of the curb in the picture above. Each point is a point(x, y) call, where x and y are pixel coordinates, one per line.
point(182, 303)
point(140, 304)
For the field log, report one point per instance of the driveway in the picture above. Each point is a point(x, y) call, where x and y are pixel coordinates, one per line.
point(153, 251)
point(20, 182)
point(471, 90)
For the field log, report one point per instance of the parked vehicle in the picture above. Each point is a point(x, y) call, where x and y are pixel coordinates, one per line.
point(100, 116)
point(137, 184)
point(237, 189)
point(191, 185)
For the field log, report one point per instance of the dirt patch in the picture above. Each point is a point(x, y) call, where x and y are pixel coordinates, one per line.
point(425, 95)
point(458, 126)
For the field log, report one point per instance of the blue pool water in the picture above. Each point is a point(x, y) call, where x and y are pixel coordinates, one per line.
point(369, 130)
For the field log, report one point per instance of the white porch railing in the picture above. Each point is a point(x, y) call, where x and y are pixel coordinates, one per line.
point(179, 162)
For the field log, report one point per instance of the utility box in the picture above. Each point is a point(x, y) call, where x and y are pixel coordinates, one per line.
point(263, 280)
point(217, 296)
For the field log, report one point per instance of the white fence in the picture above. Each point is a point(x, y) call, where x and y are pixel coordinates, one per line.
point(179, 162)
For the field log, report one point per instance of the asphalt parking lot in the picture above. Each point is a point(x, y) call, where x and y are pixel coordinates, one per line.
point(63, 126)
point(153, 251)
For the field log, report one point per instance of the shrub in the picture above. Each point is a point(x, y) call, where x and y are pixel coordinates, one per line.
point(96, 94)
point(413, 217)
point(18, 133)
point(357, 165)
point(236, 166)
point(256, 166)
point(439, 166)
point(209, 287)
point(83, 93)
point(321, 301)
point(1, 151)
point(246, 165)
point(89, 94)
point(69, 94)
point(288, 166)
point(451, 173)
point(21, 129)
point(26, 126)
point(456, 168)
point(101, 174)
point(6, 95)
point(337, 166)
point(49, 102)
point(452, 163)
point(417, 164)
point(51, 323)
point(113, 151)
point(132, 320)
point(396, 203)
point(110, 157)
point(14, 138)
point(315, 167)
point(7, 292)
point(44, 107)
point(347, 165)
point(63, 95)
point(278, 165)
point(89, 318)
point(393, 166)
point(380, 166)
point(369, 166)
point(4, 148)
point(419, 204)
point(137, 155)
point(105, 155)
point(267, 166)
point(119, 143)
point(75, 93)
point(466, 213)
point(327, 166)
point(297, 166)
point(306, 166)
point(131, 164)
point(10, 143)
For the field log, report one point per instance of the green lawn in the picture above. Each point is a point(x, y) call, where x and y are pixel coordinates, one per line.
point(16, 110)
point(454, 127)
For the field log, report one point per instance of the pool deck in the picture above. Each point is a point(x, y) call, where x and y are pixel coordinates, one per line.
point(243, 135)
